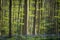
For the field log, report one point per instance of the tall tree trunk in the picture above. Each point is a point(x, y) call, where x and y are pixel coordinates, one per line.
point(10, 6)
point(39, 6)
point(25, 18)
point(56, 14)
point(0, 17)
point(34, 23)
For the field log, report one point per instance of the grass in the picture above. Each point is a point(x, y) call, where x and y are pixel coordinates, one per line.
point(30, 38)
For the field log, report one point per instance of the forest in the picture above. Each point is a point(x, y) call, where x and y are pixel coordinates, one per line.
point(29, 19)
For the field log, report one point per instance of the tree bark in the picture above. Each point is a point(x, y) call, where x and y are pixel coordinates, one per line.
point(0, 18)
point(25, 18)
point(10, 6)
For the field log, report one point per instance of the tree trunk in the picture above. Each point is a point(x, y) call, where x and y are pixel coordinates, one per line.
point(0, 18)
point(25, 18)
point(34, 23)
point(10, 6)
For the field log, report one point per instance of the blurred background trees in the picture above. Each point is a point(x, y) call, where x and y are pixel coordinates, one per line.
point(29, 17)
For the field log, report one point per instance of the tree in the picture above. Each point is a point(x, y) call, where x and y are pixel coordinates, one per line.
point(10, 5)
point(0, 17)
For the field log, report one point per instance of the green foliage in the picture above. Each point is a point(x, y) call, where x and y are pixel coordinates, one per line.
point(46, 24)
